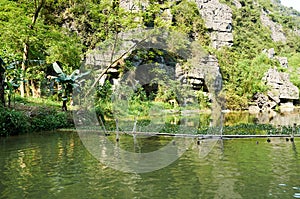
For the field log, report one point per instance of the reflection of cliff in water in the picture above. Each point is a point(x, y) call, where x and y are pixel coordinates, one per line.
point(267, 117)
point(276, 118)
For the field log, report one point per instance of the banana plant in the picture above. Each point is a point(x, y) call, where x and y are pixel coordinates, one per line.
point(13, 79)
point(10, 87)
point(68, 83)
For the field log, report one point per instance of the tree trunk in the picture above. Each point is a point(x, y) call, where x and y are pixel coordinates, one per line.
point(9, 100)
point(25, 59)
point(64, 106)
point(27, 88)
point(24, 87)
point(2, 78)
point(36, 91)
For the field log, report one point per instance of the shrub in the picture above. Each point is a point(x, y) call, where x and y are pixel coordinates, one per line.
point(13, 122)
point(49, 119)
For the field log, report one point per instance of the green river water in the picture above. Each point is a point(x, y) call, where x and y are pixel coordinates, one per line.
point(57, 165)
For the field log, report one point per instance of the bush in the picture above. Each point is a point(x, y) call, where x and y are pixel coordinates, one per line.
point(46, 120)
point(13, 122)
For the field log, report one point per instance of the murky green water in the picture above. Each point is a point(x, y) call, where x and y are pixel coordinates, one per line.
point(57, 165)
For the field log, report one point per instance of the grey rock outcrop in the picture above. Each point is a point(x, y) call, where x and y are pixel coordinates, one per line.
point(217, 16)
point(276, 29)
point(283, 61)
point(281, 92)
point(134, 5)
point(281, 88)
point(260, 100)
point(204, 72)
point(262, 103)
point(218, 19)
point(237, 4)
point(270, 53)
point(205, 75)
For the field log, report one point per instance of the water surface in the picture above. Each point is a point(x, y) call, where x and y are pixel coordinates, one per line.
point(57, 165)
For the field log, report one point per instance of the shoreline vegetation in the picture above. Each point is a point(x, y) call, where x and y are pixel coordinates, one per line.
point(28, 115)
point(33, 115)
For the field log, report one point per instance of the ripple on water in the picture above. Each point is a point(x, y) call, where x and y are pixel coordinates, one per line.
point(282, 185)
point(297, 195)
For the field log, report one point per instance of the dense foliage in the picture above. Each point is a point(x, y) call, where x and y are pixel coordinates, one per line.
point(36, 33)
point(14, 122)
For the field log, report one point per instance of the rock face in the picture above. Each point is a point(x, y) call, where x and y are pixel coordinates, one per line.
point(133, 5)
point(282, 92)
point(283, 61)
point(271, 55)
point(237, 4)
point(204, 75)
point(218, 19)
point(276, 29)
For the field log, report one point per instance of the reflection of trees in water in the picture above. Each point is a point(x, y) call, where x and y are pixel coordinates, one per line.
point(241, 167)
point(217, 178)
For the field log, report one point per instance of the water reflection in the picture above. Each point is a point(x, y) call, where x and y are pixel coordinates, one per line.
point(279, 119)
point(57, 165)
point(271, 117)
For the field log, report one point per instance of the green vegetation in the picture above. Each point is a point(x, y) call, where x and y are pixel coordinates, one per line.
point(35, 34)
point(243, 65)
point(33, 115)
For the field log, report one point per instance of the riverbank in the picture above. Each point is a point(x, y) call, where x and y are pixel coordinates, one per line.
point(33, 115)
point(28, 115)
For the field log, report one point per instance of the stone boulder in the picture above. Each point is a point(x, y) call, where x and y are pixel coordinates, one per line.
point(134, 5)
point(260, 99)
point(237, 4)
point(269, 52)
point(283, 61)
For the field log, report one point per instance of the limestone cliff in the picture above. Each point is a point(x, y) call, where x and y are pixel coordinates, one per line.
point(218, 19)
point(277, 33)
point(281, 91)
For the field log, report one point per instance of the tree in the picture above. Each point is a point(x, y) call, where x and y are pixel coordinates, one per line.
point(27, 36)
point(21, 31)
point(187, 19)
point(38, 4)
point(2, 78)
